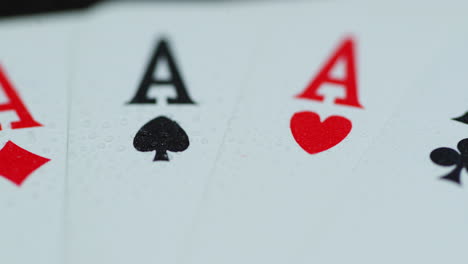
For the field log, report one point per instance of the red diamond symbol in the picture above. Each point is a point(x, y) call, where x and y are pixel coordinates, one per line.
point(16, 163)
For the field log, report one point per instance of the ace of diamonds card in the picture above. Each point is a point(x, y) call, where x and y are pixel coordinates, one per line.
point(34, 78)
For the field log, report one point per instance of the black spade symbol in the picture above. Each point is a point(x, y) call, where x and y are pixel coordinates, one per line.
point(161, 135)
point(450, 157)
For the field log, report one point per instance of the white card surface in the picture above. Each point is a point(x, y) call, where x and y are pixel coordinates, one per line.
point(268, 200)
point(35, 64)
point(396, 206)
point(125, 207)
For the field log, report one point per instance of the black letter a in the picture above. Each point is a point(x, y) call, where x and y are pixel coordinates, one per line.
point(161, 52)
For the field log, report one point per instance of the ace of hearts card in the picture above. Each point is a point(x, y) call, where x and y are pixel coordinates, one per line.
point(315, 101)
point(406, 198)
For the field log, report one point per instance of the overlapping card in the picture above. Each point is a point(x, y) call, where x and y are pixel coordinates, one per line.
point(35, 57)
point(234, 133)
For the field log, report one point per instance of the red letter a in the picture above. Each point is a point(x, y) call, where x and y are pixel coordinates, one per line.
point(346, 53)
point(14, 103)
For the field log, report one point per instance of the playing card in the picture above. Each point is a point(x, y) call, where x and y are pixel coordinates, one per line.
point(155, 87)
point(405, 199)
point(34, 77)
point(325, 84)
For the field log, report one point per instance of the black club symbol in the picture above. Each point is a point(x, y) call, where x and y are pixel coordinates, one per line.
point(450, 157)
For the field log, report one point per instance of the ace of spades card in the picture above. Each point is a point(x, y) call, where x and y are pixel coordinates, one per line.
point(317, 97)
point(407, 198)
point(35, 58)
point(150, 105)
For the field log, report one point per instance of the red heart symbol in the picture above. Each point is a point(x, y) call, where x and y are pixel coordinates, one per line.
point(314, 136)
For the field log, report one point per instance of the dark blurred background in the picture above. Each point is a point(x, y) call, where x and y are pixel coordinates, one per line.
point(9, 8)
point(25, 7)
